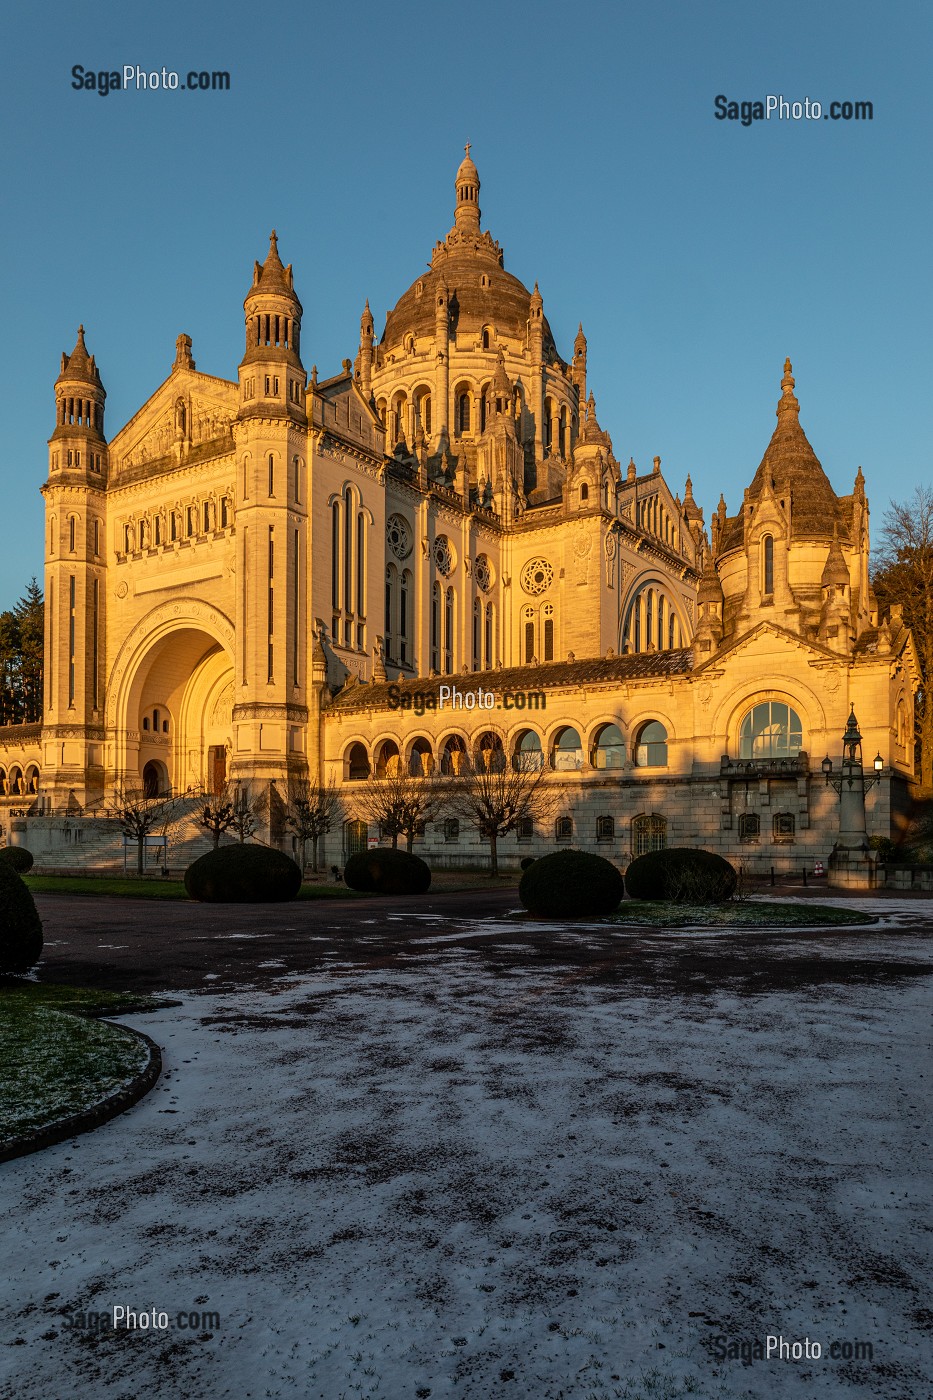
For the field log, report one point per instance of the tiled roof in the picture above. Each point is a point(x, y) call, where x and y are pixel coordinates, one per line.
point(550, 676)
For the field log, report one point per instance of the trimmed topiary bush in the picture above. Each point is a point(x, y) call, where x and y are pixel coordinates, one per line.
point(384, 871)
point(17, 856)
point(571, 885)
point(682, 875)
point(20, 925)
point(526, 861)
point(243, 874)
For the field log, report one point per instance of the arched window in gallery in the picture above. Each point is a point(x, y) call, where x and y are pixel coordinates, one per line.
point(649, 833)
point(388, 759)
point(453, 756)
point(421, 759)
point(771, 729)
point(651, 746)
point(608, 748)
point(357, 763)
point(567, 751)
point(528, 753)
point(463, 413)
point(490, 754)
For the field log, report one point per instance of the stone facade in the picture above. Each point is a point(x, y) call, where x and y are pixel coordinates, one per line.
point(244, 583)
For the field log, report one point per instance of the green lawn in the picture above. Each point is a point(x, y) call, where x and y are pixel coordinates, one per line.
point(751, 913)
point(56, 1062)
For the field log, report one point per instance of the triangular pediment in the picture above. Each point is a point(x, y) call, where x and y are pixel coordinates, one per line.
point(766, 638)
point(188, 408)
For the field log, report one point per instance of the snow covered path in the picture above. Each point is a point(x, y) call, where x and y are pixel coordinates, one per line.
point(435, 1177)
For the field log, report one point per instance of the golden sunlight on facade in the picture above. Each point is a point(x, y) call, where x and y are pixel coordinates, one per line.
point(280, 576)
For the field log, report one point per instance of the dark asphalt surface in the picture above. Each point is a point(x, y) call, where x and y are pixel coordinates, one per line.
point(169, 946)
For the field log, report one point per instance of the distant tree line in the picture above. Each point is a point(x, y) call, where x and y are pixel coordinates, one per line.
point(21, 649)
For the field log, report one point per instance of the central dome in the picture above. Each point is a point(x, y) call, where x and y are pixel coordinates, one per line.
point(469, 264)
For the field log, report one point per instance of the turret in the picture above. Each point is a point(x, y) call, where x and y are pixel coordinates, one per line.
point(366, 351)
point(835, 600)
point(77, 446)
point(272, 377)
point(536, 345)
point(579, 367)
point(710, 603)
point(467, 210)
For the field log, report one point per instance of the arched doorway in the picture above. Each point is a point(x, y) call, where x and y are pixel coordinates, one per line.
point(155, 779)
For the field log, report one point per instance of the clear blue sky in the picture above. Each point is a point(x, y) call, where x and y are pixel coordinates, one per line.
point(696, 252)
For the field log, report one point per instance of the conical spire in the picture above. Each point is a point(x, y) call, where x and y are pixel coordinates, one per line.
point(79, 364)
point(787, 402)
point(501, 384)
point(579, 342)
point(792, 470)
point(710, 589)
point(835, 570)
point(272, 276)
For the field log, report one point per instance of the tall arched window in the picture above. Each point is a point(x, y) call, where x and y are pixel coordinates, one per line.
point(357, 761)
point(390, 638)
point(547, 613)
point(404, 594)
point(360, 565)
point(435, 627)
point(767, 560)
point(463, 413)
point(529, 635)
point(335, 557)
point(489, 635)
point(449, 631)
point(348, 551)
point(477, 633)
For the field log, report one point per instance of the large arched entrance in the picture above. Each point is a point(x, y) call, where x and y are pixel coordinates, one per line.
point(171, 701)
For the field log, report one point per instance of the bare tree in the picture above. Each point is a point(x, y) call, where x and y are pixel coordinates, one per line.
point(311, 811)
point(903, 573)
point(401, 802)
point(217, 815)
point(496, 794)
point(245, 815)
point(138, 815)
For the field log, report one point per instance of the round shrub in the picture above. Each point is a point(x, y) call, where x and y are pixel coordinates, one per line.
point(682, 875)
point(526, 861)
point(243, 874)
point(384, 871)
point(571, 885)
point(17, 856)
point(20, 925)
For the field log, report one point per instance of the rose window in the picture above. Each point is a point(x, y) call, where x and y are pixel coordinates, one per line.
point(537, 577)
point(398, 536)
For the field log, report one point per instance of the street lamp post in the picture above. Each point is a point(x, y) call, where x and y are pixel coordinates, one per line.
point(851, 862)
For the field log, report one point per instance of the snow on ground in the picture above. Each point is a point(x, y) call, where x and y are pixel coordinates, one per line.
point(445, 1177)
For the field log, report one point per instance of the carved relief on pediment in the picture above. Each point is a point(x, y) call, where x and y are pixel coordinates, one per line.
point(188, 421)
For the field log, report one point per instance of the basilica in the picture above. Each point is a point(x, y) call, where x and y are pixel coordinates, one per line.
point(254, 580)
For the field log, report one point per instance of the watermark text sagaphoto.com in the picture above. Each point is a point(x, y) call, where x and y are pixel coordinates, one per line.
point(748, 1350)
point(133, 78)
point(780, 108)
point(121, 1318)
point(448, 697)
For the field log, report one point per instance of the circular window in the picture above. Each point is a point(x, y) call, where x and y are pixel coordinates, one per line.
point(537, 577)
point(398, 536)
point(443, 555)
point(482, 572)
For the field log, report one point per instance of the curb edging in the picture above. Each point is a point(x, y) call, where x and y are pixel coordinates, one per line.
point(99, 1113)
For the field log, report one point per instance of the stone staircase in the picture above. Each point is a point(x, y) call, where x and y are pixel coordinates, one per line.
point(62, 844)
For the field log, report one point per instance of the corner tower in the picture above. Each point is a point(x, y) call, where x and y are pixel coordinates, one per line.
point(75, 563)
point(272, 501)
